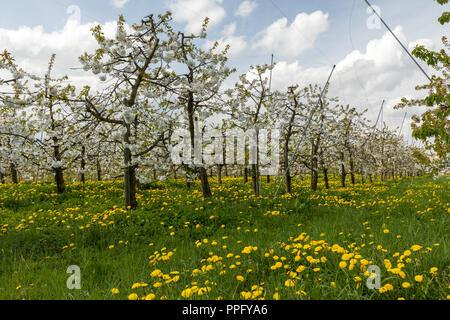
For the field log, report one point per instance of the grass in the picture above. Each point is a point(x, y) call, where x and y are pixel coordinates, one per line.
point(178, 246)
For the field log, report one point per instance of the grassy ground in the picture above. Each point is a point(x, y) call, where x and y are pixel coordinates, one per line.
point(177, 246)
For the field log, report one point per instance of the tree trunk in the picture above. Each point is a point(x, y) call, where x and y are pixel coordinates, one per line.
point(59, 179)
point(325, 172)
point(288, 182)
point(219, 174)
point(129, 175)
point(268, 178)
point(245, 175)
point(286, 164)
point(83, 165)
point(59, 176)
point(188, 182)
point(130, 188)
point(352, 170)
point(314, 179)
point(325, 178)
point(205, 185)
point(99, 171)
point(2, 178)
point(14, 175)
point(202, 171)
point(343, 173)
point(314, 167)
point(255, 179)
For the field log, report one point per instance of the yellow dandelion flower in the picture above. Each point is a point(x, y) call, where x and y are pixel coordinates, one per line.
point(150, 296)
point(418, 278)
point(289, 283)
point(133, 296)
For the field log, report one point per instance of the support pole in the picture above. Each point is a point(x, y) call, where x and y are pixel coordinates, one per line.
point(270, 90)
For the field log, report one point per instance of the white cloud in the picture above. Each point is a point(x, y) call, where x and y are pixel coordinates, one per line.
point(364, 79)
point(291, 40)
point(229, 29)
point(32, 48)
point(119, 3)
point(382, 67)
point(194, 12)
point(245, 8)
point(237, 43)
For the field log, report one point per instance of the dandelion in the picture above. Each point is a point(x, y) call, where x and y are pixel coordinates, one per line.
point(246, 295)
point(406, 285)
point(300, 269)
point(346, 256)
point(114, 291)
point(364, 262)
point(156, 273)
point(386, 287)
point(136, 285)
point(289, 283)
point(418, 278)
point(150, 296)
point(186, 293)
point(133, 296)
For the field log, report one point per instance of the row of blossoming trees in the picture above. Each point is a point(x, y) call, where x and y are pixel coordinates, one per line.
point(153, 81)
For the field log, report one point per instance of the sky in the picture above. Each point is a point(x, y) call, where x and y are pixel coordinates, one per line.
point(306, 38)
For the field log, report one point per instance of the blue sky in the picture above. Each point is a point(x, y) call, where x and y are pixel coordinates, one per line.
point(418, 17)
point(371, 65)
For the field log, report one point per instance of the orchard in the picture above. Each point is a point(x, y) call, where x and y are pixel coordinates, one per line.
point(157, 181)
